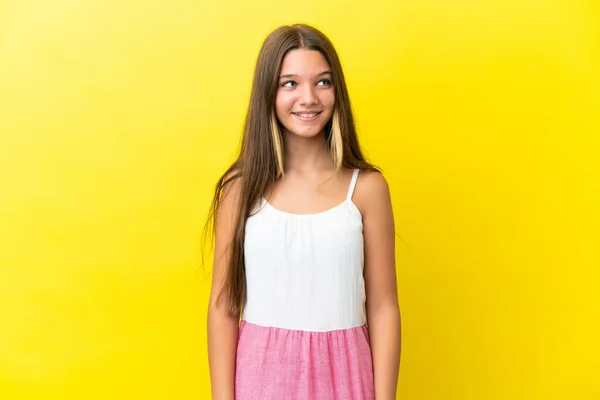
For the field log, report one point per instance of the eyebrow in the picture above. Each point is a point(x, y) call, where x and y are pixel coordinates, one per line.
point(293, 75)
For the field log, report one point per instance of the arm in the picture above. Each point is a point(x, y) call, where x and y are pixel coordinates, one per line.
point(222, 326)
point(383, 311)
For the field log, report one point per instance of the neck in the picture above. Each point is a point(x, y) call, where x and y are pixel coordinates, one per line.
point(305, 154)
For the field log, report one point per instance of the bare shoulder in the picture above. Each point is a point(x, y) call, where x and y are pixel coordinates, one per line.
point(231, 187)
point(372, 191)
point(369, 181)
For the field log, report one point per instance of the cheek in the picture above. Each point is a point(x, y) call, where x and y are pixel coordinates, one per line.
point(283, 104)
point(328, 99)
point(328, 102)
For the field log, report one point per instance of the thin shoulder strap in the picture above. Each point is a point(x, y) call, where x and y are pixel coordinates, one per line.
point(352, 184)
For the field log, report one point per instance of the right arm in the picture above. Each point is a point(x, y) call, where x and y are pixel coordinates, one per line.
point(222, 325)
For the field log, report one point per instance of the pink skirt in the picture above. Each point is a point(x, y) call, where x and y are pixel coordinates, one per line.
point(283, 364)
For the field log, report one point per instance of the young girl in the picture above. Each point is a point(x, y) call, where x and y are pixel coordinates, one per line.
point(304, 242)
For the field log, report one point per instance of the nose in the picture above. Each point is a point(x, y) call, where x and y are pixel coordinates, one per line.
point(308, 95)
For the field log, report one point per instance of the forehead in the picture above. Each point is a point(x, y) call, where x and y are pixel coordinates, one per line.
point(304, 62)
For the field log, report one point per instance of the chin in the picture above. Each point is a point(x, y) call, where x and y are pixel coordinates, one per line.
point(305, 132)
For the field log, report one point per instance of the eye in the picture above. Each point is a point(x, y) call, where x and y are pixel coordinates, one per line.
point(288, 84)
point(325, 82)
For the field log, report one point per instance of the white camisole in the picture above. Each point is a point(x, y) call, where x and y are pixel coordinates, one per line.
point(305, 271)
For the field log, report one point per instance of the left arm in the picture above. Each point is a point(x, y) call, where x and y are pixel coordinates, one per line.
point(383, 311)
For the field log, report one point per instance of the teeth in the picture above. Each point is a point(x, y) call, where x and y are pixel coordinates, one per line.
point(307, 115)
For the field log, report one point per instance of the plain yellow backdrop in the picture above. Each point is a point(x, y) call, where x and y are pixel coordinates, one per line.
point(117, 117)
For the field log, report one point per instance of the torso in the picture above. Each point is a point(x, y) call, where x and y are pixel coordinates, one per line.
point(304, 270)
point(303, 332)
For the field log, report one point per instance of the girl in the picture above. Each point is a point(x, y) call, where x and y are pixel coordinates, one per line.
point(304, 242)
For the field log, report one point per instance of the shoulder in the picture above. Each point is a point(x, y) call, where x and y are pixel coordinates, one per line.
point(229, 190)
point(371, 181)
point(230, 182)
point(372, 191)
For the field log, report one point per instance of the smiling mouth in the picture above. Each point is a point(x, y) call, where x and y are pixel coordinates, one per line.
point(307, 115)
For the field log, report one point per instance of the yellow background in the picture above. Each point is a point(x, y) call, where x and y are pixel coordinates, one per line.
point(117, 117)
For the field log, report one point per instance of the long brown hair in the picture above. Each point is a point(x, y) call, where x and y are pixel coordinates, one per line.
point(260, 162)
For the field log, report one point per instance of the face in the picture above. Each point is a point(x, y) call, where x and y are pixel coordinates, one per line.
point(305, 97)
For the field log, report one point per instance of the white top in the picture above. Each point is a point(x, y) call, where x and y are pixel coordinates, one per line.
point(305, 271)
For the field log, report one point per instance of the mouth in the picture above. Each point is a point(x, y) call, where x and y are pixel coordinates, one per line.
point(304, 116)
